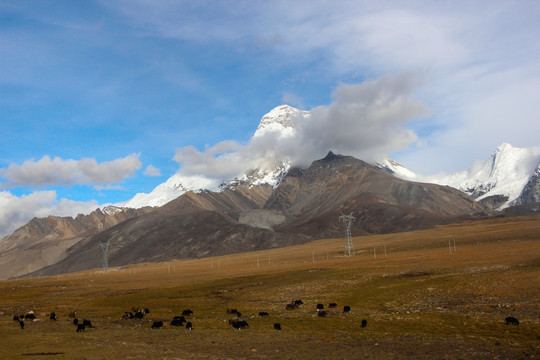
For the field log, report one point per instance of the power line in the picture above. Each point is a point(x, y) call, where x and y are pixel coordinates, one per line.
point(347, 220)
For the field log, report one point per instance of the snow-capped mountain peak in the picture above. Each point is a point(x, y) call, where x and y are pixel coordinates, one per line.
point(498, 182)
point(111, 210)
point(175, 186)
point(503, 176)
point(280, 119)
point(393, 167)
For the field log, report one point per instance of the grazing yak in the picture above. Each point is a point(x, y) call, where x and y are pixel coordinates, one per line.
point(128, 315)
point(187, 312)
point(87, 323)
point(291, 306)
point(157, 324)
point(139, 315)
point(320, 307)
point(364, 323)
point(263, 313)
point(189, 326)
point(239, 324)
point(321, 313)
point(21, 324)
point(231, 311)
point(510, 320)
point(346, 309)
point(277, 326)
point(30, 316)
point(80, 327)
point(178, 321)
point(298, 302)
point(332, 305)
point(52, 316)
point(75, 321)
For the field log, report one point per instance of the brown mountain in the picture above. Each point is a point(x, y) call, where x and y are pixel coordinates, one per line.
point(44, 241)
point(306, 205)
point(381, 203)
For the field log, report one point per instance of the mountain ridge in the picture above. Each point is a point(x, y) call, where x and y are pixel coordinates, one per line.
point(278, 202)
point(497, 182)
point(305, 206)
point(44, 241)
point(507, 178)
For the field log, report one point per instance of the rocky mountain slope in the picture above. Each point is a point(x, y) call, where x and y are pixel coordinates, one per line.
point(271, 205)
point(44, 241)
point(508, 178)
point(305, 205)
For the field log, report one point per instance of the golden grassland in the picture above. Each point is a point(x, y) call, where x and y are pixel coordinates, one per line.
point(441, 293)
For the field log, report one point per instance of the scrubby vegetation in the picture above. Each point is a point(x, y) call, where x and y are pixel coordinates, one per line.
point(441, 293)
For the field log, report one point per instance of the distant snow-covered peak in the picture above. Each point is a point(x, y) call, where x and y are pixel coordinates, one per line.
point(393, 167)
point(111, 209)
point(175, 186)
point(505, 173)
point(280, 119)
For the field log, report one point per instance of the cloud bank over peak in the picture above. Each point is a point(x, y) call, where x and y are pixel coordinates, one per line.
point(365, 120)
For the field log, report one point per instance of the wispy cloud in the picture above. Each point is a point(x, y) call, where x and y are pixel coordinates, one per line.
point(152, 171)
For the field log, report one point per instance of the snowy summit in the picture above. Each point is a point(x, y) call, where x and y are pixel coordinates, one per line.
point(279, 121)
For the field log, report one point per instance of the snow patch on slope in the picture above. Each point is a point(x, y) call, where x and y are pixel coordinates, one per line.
point(175, 186)
point(393, 167)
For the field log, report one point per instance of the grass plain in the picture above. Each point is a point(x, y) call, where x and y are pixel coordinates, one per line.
point(441, 293)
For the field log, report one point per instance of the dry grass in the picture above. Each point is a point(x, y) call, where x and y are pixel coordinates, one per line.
point(441, 293)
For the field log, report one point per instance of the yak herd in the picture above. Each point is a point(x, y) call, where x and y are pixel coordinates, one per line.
point(236, 321)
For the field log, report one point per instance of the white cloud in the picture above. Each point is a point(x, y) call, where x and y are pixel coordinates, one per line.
point(152, 171)
point(56, 171)
point(365, 120)
point(16, 211)
point(473, 55)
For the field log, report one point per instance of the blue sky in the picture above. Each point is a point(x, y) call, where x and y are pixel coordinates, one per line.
point(98, 97)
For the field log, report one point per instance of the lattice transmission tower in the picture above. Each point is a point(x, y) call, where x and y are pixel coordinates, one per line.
point(347, 220)
point(104, 250)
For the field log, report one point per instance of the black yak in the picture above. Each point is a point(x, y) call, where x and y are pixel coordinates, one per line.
point(87, 323)
point(510, 320)
point(240, 324)
point(178, 321)
point(157, 324)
